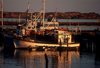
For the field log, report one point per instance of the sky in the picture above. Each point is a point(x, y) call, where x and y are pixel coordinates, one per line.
point(83, 6)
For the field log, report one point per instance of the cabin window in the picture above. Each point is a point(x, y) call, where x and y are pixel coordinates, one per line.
point(29, 27)
point(32, 23)
point(46, 25)
point(32, 27)
point(56, 31)
point(56, 25)
point(51, 25)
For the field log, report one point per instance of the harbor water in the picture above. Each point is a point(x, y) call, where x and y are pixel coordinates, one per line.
point(47, 59)
point(16, 58)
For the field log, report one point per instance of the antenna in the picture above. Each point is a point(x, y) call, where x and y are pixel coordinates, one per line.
point(31, 15)
point(43, 12)
point(19, 18)
point(56, 12)
point(28, 6)
point(27, 12)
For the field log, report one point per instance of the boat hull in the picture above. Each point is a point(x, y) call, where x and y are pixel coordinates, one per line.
point(26, 44)
point(22, 44)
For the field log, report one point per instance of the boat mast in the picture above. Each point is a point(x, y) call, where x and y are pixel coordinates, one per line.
point(56, 13)
point(27, 12)
point(19, 18)
point(31, 15)
point(43, 12)
point(2, 13)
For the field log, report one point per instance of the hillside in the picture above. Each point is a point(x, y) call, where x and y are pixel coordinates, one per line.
point(60, 15)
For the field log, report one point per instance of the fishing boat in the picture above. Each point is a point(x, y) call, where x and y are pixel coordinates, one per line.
point(64, 39)
point(25, 34)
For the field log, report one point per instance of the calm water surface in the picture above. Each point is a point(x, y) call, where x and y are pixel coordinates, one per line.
point(46, 59)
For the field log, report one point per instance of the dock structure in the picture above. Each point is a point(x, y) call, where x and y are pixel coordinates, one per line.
point(97, 41)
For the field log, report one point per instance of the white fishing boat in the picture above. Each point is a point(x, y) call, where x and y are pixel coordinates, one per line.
point(22, 38)
point(64, 40)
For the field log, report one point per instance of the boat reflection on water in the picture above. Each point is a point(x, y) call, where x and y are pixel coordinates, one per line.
point(46, 59)
point(42, 59)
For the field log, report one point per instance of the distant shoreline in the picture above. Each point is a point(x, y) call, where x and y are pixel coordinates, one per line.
point(60, 15)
